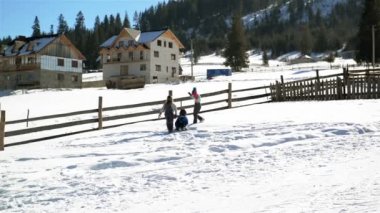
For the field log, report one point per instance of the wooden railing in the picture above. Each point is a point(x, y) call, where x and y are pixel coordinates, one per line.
point(358, 84)
point(19, 67)
point(99, 119)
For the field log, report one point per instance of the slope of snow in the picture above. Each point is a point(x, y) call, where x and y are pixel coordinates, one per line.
point(277, 157)
point(285, 157)
point(324, 6)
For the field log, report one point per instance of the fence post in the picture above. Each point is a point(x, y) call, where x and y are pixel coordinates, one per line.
point(278, 91)
point(317, 73)
point(2, 130)
point(27, 119)
point(100, 113)
point(229, 95)
point(345, 75)
point(339, 88)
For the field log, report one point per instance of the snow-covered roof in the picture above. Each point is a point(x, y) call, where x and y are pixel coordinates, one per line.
point(109, 42)
point(142, 38)
point(37, 45)
point(29, 46)
point(147, 37)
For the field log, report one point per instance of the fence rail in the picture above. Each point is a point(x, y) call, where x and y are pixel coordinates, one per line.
point(98, 115)
point(358, 84)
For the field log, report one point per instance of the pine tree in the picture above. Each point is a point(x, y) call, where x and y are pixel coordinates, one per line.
point(62, 25)
point(235, 52)
point(80, 32)
point(98, 31)
point(106, 27)
point(79, 22)
point(136, 20)
point(51, 29)
point(112, 25)
point(306, 41)
point(265, 58)
point(321, 42)
point(126, 22)
point(36, 27)
point(118, 24)
point(370, 17)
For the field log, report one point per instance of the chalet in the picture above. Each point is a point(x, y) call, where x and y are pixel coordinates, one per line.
point(152, 55)
point(302, 59)
point(50, 61)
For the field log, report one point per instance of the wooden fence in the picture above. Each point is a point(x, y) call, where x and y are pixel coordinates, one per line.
point(98, 115)
point(358, 84)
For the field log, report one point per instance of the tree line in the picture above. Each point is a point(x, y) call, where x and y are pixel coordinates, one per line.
point(208, 23)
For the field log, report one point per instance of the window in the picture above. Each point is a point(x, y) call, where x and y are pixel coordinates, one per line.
point(174, 70)
point(130, 56)
point(155, 79)
point(74, 64)
point(124, 70)
point(158, 68)
point(170, 44)
point(173, 57)
point(74, 78)
point(60, 77)
point(159, 43)
point(156, 54)
point(18, 77)
point(130, 42)
point(119, 56)
point(61, 62)
point(141, 55)
point(108, 58)
point(31, 60)
point(142, 67)
point(164, 43)
point(18, 60)
point(121, 43)
point(167, 69)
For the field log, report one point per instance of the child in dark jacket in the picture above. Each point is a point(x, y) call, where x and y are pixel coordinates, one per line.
point(181, 122)
point(170, 110)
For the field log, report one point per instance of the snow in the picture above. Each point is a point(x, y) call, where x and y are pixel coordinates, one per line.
point(277, 157)
point(38, 45)
point(109, 42)
point(324, 6)
point(147, 37)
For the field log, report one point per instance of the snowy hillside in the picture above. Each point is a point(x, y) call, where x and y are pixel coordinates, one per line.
point(277, 157)
point(324, 6)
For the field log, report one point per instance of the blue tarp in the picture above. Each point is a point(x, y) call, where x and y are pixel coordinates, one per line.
point(218, 72)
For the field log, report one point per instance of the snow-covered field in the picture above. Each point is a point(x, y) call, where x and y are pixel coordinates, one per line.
point(277, 157)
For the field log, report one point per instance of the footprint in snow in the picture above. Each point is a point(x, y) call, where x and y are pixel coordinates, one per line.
point(112, 165)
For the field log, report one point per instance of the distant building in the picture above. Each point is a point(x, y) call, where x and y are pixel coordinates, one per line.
point(50, 61)
point(302, 59)
point(153, 55)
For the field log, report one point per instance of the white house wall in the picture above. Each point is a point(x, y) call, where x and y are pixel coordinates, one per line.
point(110, 69)
point(164, 60)
point(51, 63)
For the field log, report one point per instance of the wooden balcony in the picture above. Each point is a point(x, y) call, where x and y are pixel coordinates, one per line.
point(19, 67)
point(127, 60)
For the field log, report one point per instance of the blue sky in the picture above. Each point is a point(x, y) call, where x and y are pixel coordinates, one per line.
point(17, 16)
